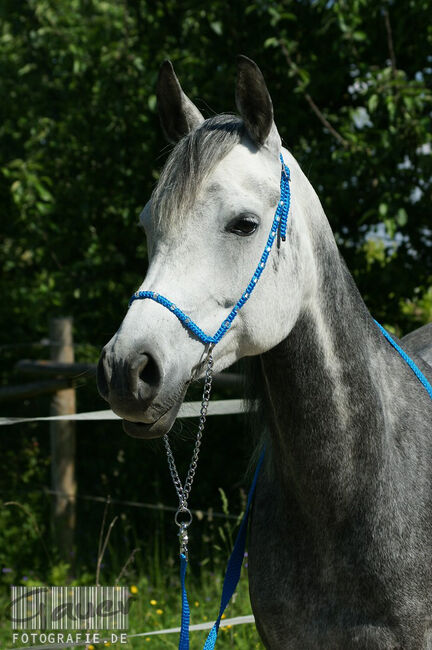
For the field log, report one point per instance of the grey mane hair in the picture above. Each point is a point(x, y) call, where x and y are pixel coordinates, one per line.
point(191, 160)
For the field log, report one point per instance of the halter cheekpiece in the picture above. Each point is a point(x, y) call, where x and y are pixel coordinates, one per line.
point(279, 225)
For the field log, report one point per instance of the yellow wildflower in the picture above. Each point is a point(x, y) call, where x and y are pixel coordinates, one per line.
point(147, 638)
point(196, 603)
point(90, 647)
point(223, 615)
point(107, 643)
point(153, 602)
point(134, 589)
point(159, 611)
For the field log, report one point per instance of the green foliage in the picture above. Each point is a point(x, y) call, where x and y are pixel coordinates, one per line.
point(158, 608)
point(23, 547)
point(80, 138)
point(80, 154)
point(155, 587)
point(419, 309)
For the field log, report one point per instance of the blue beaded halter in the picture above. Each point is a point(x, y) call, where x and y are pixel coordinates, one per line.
point(279, 225)
point(232, 576)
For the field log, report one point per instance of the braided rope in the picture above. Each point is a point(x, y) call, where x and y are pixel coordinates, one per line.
point(279, 224)
point(416, 370)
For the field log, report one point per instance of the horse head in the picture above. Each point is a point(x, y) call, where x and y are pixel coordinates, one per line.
point(207, 224)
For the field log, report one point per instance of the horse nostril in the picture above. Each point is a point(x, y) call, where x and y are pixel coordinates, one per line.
point(148, 371)
point(102, 377)
point(126, 380)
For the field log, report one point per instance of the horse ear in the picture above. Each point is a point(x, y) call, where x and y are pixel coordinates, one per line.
point(253, 100)
point(178, 115)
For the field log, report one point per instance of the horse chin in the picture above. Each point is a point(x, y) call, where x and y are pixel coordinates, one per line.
point(155, 429)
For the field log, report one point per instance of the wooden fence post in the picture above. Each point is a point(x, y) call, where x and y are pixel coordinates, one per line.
point(62, 434)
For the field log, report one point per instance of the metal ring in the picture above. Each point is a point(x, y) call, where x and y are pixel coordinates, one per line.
point(189, 515)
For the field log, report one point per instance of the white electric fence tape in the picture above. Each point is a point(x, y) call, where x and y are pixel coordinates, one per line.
point(187, 410)
point(238, 620)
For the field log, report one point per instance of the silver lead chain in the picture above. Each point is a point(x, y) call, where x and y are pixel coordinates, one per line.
point(183, 491)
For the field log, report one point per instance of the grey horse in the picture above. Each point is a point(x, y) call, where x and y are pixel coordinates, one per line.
point(341, 529)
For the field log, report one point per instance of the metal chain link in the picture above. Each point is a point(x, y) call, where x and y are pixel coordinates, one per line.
point(183, 491)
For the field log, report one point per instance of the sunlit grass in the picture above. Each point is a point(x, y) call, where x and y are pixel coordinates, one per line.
point(157, 608)
point(154, 587)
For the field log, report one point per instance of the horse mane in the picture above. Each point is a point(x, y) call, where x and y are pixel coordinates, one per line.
point(191, 160)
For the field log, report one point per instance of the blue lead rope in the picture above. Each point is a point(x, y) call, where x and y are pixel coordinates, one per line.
point(185, 615)
point(232, 575)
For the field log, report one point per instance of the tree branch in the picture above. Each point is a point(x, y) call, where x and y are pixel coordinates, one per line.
point(324, 121)
point(390, 42)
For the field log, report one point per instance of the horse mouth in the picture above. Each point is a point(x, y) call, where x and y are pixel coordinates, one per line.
point(155, 429)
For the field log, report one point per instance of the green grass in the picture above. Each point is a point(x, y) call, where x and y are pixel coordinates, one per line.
point(147, 565)
point(157, 607)
point(152, 577)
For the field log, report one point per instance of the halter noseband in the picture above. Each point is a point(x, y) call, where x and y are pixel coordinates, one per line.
point(279, 225)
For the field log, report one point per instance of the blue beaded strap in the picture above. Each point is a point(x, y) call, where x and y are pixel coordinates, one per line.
point(279, 224)
point(416, 370)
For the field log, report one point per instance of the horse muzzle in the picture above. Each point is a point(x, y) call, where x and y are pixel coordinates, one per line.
point(132, 385)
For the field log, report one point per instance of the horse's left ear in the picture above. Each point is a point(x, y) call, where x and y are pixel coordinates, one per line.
point(178, 115)
point(253, 100)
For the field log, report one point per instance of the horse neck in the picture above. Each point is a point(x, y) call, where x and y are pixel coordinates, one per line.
point(322, 390)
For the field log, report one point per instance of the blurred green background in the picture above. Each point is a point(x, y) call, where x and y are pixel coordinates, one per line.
point(80, 152)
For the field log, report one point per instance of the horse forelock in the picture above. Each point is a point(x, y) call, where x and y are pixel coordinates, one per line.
point(189, 163)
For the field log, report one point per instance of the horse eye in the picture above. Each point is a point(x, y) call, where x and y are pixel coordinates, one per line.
point(243, 226)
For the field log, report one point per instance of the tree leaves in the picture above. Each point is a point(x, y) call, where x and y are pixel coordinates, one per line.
point(81, 141)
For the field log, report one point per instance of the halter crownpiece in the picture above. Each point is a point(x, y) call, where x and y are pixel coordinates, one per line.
point(279, 224)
